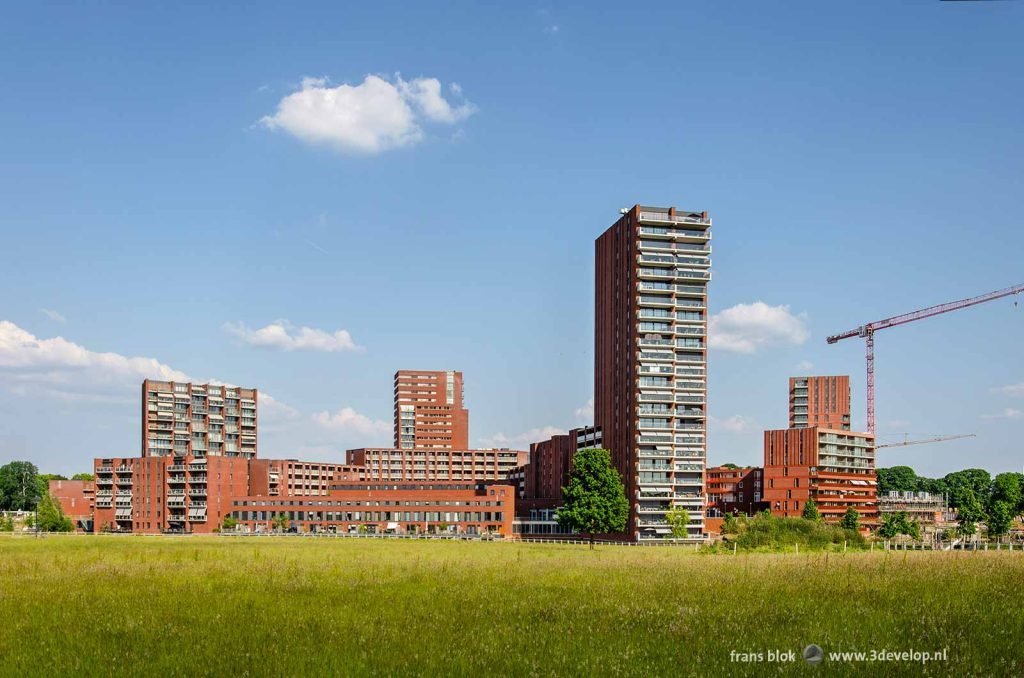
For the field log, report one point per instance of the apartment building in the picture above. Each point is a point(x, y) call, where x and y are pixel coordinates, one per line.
point(198, 420)
point(429, 411)
point(820, 401)
point(433, 464)
point(377, 508)
point(77, 499)
point(161, 494)
point(834, 467)
point(650, 361)
point(294, 478)
point(541, 479)
point(735, 490)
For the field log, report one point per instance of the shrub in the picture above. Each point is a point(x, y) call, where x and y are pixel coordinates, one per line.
point(768, 531)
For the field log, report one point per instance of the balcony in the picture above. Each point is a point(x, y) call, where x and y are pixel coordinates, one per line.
point(176, 518)
point(656, 259)
point(124, 480)
point(176, 479)
point(197, 492)
point(684, 218)
point(105, 481)
point(104, 469)
point(655, 343)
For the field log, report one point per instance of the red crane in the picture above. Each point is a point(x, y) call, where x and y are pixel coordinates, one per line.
point(868, 332)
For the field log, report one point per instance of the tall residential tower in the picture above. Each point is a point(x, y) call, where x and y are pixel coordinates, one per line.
point(650, 360)
point(428, 411)
point(819, 401)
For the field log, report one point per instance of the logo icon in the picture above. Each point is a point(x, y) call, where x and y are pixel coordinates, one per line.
point(813, 654)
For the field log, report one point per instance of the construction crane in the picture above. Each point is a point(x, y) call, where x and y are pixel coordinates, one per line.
point(868, 333)
point(936, 439)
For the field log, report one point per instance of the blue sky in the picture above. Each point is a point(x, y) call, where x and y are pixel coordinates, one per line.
point(170, 184)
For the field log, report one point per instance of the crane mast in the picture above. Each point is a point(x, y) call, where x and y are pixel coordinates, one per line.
point(868, 333)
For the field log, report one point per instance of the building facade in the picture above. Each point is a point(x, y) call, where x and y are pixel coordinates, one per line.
point(650, 361)
point(375, 508)
point(734, 490)
point(429, 411)
point(294, 478)
point(924, 508)
point(541, 479)
point(400, 465)
point(77, 499)
point(836, 468)
point(820, 401)
point(166, 494)
point(198, 420)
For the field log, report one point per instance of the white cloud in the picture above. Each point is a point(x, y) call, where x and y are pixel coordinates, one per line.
point(59, 365)
point(347, 420)
point(804, 366)
point(745, 328)
point(425, 95)
point(587, 411)
point(373, 116)
point(1012, 390)
point(1007, 413)
point(61, 369)
point(284, 336)
point(522, 441)
point(737, 423)
point(53, 315)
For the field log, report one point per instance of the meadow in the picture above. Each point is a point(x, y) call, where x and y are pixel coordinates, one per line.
point(294, 606)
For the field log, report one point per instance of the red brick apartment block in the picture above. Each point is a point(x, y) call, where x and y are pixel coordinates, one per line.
point(198, 420)
point(819, 401)
point(650, 360)
point(429, 411)
point(404, 508)
point(475, 466)
point(738, 490)
point(834, 467)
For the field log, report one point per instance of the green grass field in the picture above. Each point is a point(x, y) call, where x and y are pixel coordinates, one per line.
point(294, 606)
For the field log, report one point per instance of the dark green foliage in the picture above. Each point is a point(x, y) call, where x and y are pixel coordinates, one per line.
point(962, 484)
point(1000, 519)
point(730, 525)
point(1009, 489)
point(811, 511)
point(895, 524)
point(595, 500)
point(851, 519)
point(768, 531)
point(898, 478)
point(51, 516)
point(19, 487)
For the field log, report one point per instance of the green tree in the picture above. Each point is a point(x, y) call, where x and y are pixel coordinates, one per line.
point(1000, 519)
point(280, 522)
point(19, 486)
point(851, 519)
point(961, 484)
point(895, 524)
point(811, 511)
point(678, 519)
point(1009, 489)
point(969, 513)
point(51, 517)
point(897, 479)
point(7, 524)
point(229, 523)
point(83, 476)
point(595, 500)
point(730, 525)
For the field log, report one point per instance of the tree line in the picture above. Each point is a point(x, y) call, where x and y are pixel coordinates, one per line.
point(974, 493)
